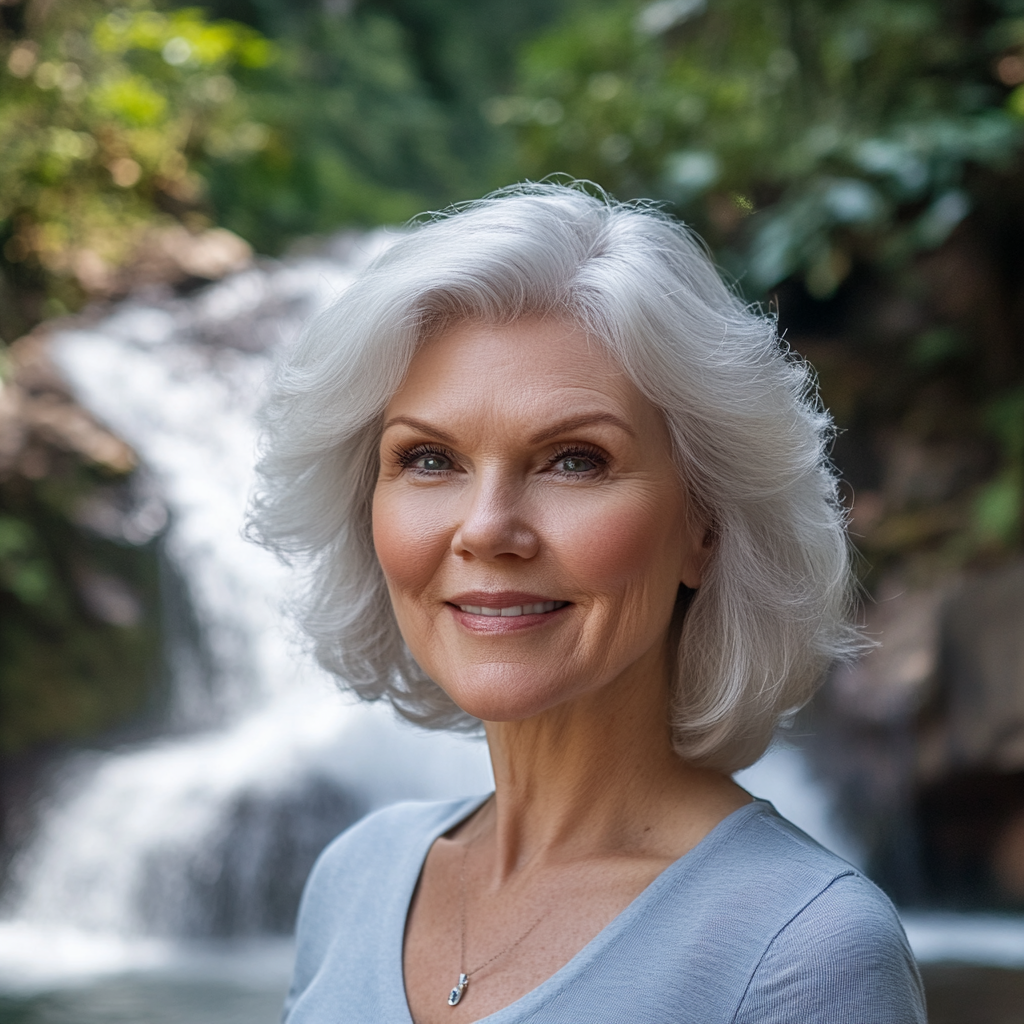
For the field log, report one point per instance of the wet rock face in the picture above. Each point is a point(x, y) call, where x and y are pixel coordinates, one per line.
point(247, 878)
point(970, 828)
point(40, 420)
point(923, 740)
point(981, 673)
point(79, 600)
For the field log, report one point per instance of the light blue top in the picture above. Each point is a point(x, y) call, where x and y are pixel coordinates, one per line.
point(757, 924)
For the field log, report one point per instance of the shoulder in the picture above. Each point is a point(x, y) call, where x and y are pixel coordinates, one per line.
point(758, 860)
point(767, 841)
point(361, 884)
point(836, 950)
point(374, 847)
point(378, 833)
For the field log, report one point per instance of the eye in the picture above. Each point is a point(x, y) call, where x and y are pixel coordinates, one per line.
point(432, 463)
point(426, 459)
point(578, 462)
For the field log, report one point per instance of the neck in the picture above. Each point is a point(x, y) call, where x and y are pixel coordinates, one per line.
point(597, 776)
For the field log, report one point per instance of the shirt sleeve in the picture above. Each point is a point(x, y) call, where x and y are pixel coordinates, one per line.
point(843, 959)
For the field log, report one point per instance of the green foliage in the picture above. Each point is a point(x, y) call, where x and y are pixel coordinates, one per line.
point(117, 114)
point(376, 112)
point(103, 110)
point(857, 164)
point(999, 505)
point(65, 672)
point(848, 129)
point(458, 52)
point(354, 137)
point(22, 571)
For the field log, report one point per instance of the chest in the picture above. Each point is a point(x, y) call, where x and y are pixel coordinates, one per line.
point(509, 940)
point(664, 960)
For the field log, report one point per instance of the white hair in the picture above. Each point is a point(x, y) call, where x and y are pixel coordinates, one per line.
point(749, 436)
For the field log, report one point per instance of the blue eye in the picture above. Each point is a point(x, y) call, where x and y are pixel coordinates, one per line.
point(426, 459)
point(432, 463)
point(577, 464)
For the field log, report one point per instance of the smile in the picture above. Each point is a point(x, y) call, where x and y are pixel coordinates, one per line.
point(540, 608)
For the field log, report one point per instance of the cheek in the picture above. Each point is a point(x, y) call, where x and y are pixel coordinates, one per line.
point(410, 538)
point(624, 546)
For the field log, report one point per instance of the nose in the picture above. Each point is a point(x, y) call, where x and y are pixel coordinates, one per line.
point(494, 521)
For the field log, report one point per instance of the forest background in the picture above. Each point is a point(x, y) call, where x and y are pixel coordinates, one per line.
point(856, 166)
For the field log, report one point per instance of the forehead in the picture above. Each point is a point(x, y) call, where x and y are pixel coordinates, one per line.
point(532, 367)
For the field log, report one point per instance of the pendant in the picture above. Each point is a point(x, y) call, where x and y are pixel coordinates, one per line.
point(457, 993)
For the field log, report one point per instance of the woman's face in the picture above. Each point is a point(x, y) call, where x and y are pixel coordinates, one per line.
point(529, 519)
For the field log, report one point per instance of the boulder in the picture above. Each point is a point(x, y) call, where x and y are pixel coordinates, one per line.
point(40, 419)
point(922, 739)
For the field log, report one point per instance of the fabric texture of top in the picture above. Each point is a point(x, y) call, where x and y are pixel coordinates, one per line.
point(757, 924)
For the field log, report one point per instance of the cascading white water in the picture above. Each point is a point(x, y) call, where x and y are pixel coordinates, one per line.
point(131, 850)
point(134, 840)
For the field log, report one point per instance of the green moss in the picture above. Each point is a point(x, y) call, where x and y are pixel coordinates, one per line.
point(65, 674)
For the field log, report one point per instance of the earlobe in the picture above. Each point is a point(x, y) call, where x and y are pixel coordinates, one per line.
point(692, 575)
point(697, 559)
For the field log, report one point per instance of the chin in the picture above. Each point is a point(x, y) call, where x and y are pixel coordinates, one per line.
point(504, 693)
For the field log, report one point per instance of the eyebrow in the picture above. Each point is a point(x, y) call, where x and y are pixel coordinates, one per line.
point(566, 426)
point(561, 427)
point(421, 425)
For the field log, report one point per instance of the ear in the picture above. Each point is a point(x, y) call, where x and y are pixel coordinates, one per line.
point(701, 541)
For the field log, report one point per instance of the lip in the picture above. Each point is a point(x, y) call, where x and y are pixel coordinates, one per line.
point(493, 624)
point(499, 598)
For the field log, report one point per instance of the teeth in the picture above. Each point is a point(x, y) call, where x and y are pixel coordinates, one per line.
point(518, 609)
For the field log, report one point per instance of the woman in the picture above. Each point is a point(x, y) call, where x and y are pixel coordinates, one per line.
point(552, 479)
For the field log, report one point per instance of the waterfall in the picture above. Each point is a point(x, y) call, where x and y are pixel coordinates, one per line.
point(208, 829)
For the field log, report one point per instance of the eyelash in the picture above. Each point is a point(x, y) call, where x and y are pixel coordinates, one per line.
point(593, 455)
point(405, 457)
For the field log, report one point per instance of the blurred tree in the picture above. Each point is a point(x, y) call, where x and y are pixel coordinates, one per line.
point(354, 136)
point(376, 108)
point(115, 114)
point(857, 162)
point(104, 109)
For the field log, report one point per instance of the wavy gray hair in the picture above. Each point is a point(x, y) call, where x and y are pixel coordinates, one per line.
point(749, 435)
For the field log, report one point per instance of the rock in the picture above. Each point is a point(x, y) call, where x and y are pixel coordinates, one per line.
point(40, 418)
point(1008, 857)
point(950, 663)
point(108, 598)
point(922, 740)
point(166, 255)
point(981, 674)
point(895, 679)
point(247, 878)
point(968, 836)
point(172, 254)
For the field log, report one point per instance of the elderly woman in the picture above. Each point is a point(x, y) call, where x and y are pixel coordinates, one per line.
point(554, 480)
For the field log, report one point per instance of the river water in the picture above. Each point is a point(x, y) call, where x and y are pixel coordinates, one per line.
point(153, 881)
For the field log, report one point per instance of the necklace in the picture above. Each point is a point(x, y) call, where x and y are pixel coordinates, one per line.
point(456, 994)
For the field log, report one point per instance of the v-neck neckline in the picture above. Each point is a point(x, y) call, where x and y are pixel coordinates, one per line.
point(394, 976)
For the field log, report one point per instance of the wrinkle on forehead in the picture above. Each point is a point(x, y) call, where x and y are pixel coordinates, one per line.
point(527, 373)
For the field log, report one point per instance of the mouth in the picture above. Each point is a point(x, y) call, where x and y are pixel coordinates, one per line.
point(494, 612)
point(512, 611)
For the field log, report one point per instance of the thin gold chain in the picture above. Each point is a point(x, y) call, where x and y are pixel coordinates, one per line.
point(462, 906)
